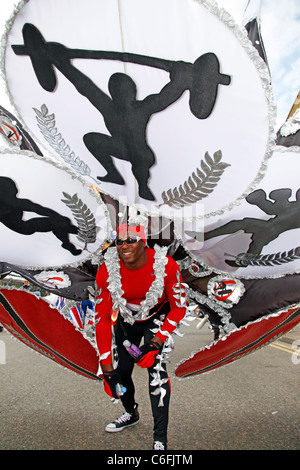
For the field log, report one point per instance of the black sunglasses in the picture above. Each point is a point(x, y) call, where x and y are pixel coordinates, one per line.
point(128, 241)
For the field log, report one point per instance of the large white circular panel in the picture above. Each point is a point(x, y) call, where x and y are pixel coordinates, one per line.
point(259, 237)
point(49, 217)
point(163, 104)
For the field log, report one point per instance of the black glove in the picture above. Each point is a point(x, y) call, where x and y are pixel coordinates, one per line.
point(149, 352)
point(112, 382)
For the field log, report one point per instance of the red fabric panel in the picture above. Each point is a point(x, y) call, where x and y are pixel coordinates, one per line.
point(239, 343)
point(44, 329)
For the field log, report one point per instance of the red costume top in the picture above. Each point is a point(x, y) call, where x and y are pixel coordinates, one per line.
point(135, 284)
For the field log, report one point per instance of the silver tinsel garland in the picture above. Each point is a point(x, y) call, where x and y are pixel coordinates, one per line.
point(115, 284)
point(180, 294)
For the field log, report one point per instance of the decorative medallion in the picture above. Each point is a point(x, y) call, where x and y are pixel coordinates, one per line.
point(225, 291)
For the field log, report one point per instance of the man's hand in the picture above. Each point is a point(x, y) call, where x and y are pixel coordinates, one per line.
point(111, 380)
point(149, 353)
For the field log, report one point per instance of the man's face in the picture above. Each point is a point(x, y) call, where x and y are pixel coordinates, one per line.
point(132, 255)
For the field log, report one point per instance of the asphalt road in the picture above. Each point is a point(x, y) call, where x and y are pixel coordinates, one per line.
point(252, 404)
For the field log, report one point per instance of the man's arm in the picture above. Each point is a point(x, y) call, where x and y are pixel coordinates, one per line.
point(176, 313)
point(103, 321)
point(152, 348)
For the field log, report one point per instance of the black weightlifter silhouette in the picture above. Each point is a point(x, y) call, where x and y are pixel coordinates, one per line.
point(11, 215)
point(286, 216)
point(125, 117)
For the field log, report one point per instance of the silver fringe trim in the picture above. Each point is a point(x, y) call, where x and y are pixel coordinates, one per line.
point(161, 358)
point(180, 291)
point(224, 314)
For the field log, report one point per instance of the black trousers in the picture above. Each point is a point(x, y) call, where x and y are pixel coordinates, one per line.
point(134, 333)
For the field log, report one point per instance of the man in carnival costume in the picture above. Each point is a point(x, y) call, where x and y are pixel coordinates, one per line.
point(144, 285)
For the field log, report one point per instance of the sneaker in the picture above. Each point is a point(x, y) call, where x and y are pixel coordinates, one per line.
point(127, 419)
point(159, 445)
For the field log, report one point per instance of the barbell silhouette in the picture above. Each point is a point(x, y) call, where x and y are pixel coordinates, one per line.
point(201, 78)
